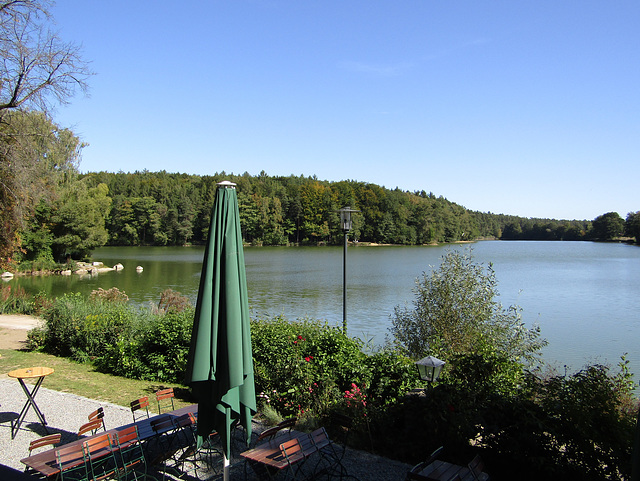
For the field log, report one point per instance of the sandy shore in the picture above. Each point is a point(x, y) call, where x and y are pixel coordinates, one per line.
point(13, 329)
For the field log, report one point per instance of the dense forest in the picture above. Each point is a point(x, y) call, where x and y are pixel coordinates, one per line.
point(160, 208)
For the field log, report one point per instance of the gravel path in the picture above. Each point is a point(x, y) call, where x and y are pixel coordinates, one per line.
point(66, 412)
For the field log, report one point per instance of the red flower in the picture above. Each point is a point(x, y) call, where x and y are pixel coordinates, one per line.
point(308, 358)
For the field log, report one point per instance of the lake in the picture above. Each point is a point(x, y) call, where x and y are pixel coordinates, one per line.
point(584, 295)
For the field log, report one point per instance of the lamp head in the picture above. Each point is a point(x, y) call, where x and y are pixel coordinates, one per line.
point(429, 368)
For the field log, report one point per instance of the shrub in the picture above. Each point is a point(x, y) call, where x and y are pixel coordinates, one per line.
point(110, 295)
point(172, 301)
point(14, 299)
point(156, 349)
point(456, 311)
point(83, 329)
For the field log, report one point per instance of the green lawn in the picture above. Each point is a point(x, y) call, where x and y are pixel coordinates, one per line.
point(84, 380)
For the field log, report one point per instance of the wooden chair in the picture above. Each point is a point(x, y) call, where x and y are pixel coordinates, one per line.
point(50, 440)
point(413, 473)
point(139, 405)
point(189, 459)
point(98, 414)
point(287, 424)
point(98, 450)
point(131, 456)
point(163, 445)
point(90, 428)
point(164, 397)
point(476, 466)
point(294, 454)
point(72, 463)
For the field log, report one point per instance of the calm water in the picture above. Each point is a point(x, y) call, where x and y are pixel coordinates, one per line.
point(583, 295)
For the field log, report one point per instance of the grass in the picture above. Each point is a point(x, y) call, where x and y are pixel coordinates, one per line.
point(84, 380)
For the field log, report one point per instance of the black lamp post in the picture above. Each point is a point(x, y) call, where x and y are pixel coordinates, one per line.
point(429, 368)
point(345, 223)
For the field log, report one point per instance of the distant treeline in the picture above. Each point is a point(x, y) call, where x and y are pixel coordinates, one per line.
point(160, 208)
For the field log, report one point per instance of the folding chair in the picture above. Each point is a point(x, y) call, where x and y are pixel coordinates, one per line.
point(164, 397)
point(189, 459)
point(163, 445)
point(294, 454)
point(131, 456)
point(330, 461)
point(90, 428)
point(287, 424)
point(139, 405)
point(476, 466)
point(50, 440)
point(98, 414)
point(98, 450)
point(72, 463)
point(413, 474)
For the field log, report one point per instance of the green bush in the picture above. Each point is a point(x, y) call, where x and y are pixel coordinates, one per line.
point(156, 348)
point(83, 329)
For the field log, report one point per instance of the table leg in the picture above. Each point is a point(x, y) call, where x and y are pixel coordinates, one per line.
point(15, 425)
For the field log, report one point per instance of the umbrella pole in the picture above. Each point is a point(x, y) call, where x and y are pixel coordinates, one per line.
point(225, 472)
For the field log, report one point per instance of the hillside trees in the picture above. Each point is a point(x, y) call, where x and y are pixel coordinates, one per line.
point(632, 226)
point(37, 71)
point(608, 226)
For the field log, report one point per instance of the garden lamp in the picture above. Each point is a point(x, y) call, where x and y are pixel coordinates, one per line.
point(429, 368)
point(345, 223)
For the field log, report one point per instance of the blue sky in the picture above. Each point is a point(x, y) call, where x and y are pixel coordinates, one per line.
point(529, 108)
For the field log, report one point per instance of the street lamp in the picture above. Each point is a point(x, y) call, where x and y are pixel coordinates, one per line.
point(429, 368)
point(345, 223)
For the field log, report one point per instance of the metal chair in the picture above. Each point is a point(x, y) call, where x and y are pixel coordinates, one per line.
point(164, 397)
point(131, 456)
point(50, 440)
point(140, 405)
point(294, 454)
point(98, 450)
point(72, 463)
point(90, 428)
point(98, 414)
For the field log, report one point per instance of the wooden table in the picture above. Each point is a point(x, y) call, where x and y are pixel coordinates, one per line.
point(444, 471)
point(38, 373)
point(46, 463)
point(267, 458)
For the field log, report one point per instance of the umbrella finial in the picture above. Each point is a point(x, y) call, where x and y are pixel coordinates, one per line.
point(225, 184)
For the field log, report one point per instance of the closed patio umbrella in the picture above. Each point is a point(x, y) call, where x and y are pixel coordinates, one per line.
point(220, 364)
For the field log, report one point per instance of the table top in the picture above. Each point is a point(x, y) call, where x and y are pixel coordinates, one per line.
point(30, 372)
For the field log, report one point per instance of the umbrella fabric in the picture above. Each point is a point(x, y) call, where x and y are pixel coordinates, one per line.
point(220, 365)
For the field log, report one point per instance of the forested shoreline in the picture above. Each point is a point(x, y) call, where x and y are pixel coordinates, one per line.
point(161, 208)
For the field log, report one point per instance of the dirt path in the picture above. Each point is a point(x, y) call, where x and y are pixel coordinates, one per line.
point(13, 330)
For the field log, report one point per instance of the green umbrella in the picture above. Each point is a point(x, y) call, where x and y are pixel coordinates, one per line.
point(220, 366)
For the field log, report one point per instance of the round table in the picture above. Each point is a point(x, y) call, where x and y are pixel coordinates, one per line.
point(38, 373)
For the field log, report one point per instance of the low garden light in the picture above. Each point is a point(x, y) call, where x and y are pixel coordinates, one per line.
point(429, 368)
